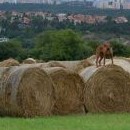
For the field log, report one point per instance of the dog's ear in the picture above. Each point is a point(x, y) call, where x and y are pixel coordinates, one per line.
point(105, 45)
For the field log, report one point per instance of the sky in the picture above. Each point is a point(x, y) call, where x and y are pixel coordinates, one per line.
point(78, 0)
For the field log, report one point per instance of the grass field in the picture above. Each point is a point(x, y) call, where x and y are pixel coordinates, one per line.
point(80, 122)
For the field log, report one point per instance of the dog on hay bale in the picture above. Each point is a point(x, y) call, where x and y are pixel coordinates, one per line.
point(104, 51)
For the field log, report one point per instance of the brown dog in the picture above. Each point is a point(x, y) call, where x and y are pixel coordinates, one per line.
point(103, 51)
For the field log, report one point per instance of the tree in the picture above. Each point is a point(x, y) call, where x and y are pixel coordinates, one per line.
point(93, 44)
point(119, 49)
point(11, 49)
point(60, 45)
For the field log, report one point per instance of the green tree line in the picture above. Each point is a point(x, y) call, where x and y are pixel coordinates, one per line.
point(57, 45)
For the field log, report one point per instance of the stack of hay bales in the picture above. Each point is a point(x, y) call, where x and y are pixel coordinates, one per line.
point(25, 92)
point(107, 89)
point(68, 87)
point(29, 61)
point(9, 62)
point(56, 88)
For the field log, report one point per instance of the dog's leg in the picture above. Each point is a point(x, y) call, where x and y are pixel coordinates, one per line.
point(104, 60)
point(111, 52)
point(97, 57)
point(112, 59)
point(100, 61)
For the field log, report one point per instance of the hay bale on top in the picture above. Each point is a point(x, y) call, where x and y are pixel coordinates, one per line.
point(9, 62)
point(25, 92)
point(92, 59)
point(46, 64)
point(70, 65)
point(122, 62)
point(68, 87)
point(75, 66)
point(107, 89)
point(128, 59)
point(29, 61)
point(83, 64)
point(54, 64)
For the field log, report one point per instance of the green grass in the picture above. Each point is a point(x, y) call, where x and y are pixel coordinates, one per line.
point(80, 122)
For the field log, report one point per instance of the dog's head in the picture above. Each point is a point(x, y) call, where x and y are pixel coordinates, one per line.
point(106, 46)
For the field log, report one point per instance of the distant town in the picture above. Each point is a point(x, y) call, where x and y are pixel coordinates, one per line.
point(24, 20)
point(26, 17)
point(103, 4)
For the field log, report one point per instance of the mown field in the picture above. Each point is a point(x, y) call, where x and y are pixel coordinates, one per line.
point(80, 122)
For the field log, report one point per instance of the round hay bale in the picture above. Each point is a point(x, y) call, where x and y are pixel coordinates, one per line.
point(68, 87)
point(107, 89)
point(25, 92)
point(40, 61)
point(128, 59)
point(29, 61)
point(92, 59)
point(9, 62)
point(54, 64)
point(124, 58)
point(122, 62)
point(81, 65)
point(70, 65)
point(46, 64)
point(75, 66)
